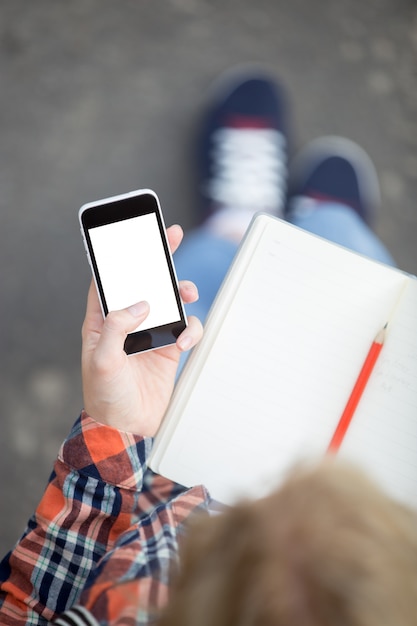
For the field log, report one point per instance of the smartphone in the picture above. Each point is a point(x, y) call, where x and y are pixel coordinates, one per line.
point(127, 249)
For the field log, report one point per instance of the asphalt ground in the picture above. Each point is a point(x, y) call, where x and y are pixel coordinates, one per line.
point(101, 97)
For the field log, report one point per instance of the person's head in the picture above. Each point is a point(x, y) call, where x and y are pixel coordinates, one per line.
point(327, 549)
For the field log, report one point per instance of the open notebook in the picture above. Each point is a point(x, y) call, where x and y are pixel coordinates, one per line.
point(283, 345)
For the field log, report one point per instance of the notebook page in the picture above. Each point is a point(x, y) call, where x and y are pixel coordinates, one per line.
point(275, 380)
point(383, 433)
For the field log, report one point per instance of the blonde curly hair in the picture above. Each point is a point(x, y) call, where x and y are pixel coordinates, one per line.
point(327, 549)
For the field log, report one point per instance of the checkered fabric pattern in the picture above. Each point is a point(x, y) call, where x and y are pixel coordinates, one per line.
point(103, 539)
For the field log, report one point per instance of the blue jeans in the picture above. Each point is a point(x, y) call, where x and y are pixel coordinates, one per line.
point(205, 258)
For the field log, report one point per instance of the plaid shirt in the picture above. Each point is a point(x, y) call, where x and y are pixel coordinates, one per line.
point(99, 549)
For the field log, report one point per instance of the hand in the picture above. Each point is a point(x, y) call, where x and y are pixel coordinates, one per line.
point(131, 393)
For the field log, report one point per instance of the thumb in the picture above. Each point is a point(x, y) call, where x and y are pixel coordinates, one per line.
point(116, 326)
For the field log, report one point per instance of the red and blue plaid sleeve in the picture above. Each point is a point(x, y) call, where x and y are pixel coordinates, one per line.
point(92, 498)
point(131, 582)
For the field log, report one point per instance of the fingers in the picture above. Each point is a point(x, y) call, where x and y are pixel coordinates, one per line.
point(194, 331)
point(188, 291)
point(191, 335)
point(174, 235)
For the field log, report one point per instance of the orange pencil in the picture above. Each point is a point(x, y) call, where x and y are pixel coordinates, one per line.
point(357, 391)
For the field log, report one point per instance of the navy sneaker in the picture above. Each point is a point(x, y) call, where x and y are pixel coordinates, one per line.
point(243, 148)
point(334, 169)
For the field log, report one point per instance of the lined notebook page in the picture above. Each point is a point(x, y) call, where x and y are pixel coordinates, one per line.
point(383, 433)
point(282, 349)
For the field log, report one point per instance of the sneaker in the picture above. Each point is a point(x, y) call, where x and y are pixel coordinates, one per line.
point(243, 151)
point(334, 169)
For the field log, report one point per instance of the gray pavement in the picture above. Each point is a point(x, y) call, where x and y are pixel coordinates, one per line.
point(100, 97)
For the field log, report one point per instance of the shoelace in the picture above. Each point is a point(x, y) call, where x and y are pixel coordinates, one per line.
point(250, 169)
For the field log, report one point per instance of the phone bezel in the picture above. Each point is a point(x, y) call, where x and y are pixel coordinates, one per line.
point(116, 209)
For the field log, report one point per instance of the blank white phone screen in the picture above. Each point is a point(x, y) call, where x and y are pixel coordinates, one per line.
point(132, 265)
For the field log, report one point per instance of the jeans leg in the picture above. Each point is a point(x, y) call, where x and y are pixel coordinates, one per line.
point(341, 224)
